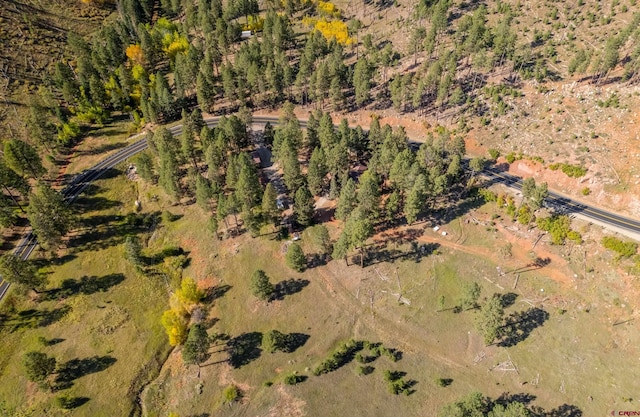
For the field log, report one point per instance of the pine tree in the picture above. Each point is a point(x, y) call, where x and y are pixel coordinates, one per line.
point(362, 81)
point(270, 209)
point(291, 167)
point(303, 206)
point(38, 366)
point(39, 128)
point(205, 91)
point(347, 201)
point(359, 229)
point(188, 139)
point(21, 272)
point(12, 184)
point(490, 319)
point(145, 166)
point(260, 285)
point(369, 194)
point(296, 258)
point(321, 238)
point(8, 217)
point(316, 172)
point(23, 158)
point(416, 199)
point(204, 192)
point(196, 348)
point(49, 215)
point(248, 187)
point(133, 251)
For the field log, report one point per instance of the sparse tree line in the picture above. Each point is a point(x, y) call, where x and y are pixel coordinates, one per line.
point(476, 404)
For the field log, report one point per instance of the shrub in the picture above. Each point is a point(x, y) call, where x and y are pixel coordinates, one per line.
point(397, 385)
point(494, 153)
point(586, 191)
point(623, 249)
point(293, 379)
point(558, 227)
point(487, 195)
point(365, 370)
point(575, 236)
point(231, 394)
point(573, 171)
point(443, 382)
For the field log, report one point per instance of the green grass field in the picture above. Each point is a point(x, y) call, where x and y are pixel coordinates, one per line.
point(574, 355)
point(106, 317)
point(110, 324)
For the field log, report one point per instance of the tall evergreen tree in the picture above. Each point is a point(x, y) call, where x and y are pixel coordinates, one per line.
point(49, 215)
point(38, 366)
point(204, 192)
point(316, 172)
point(21, 272)
point(248, 187)
point(260, 285)
point(303, 206)
point(347, 201)
point(362, 81)
point(295, 257)
point(415, 201)
point(369, 195)
point(23, 158)
point(196, 348)
point(270, 209)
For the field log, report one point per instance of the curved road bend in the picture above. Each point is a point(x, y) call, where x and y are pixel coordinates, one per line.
point(81, 181)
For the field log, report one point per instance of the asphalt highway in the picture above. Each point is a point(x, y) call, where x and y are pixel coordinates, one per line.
point(81, 181)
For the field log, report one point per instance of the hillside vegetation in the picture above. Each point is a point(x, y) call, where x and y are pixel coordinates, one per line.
point(324, 264)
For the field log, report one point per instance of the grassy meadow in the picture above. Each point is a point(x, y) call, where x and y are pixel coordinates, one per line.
point(104, 326)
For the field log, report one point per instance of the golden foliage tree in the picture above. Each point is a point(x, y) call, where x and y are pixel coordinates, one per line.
point(175, 324)
point(334, 29)
point(135, 54)
point(189, 293)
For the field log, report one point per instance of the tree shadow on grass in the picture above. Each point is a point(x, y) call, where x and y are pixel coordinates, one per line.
point(77, 368)
point(85, 285)
point(294, 341)
point(69, 403)
point(381, 252)
point(244, 349)
point(50, 342)
point(215, 292)
point(565, 410)
point(316, 260)
point(103, 231)
point(167, 252)
point(506, 398)
point(508, 299)
point(520, 325)
point(32, 318)
point(55, 260)
point(288, 287)
point(84, 203)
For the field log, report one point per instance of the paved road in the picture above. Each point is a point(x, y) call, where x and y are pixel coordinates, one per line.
point(565, 205)
point(81, 181)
